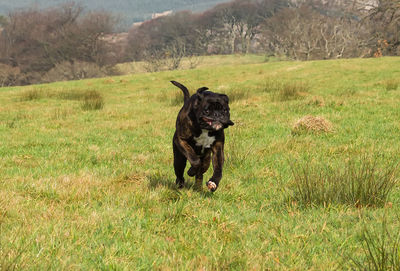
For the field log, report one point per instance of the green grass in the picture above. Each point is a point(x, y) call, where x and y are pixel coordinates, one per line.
point(196, 62)
point(381, 249)
point(94, 189)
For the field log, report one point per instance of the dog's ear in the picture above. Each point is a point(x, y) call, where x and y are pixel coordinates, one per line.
point(229, 123)
point(199, 96)
point(225, 98)
point(201, 90)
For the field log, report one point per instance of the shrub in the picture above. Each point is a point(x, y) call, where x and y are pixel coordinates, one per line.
point(8, 75)
point(155, 61)
point(193, 61)
point(92, 100)
point(310, 124)
point(357, 183)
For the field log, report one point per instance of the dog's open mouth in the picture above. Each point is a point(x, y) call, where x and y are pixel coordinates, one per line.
point(216, 125)
point(208, 121)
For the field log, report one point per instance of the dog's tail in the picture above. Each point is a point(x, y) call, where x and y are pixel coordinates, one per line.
point(186, 94)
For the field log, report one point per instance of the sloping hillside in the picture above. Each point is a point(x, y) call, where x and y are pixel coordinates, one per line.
point(87, 181)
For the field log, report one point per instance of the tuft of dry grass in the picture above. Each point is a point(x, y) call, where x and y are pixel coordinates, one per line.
point(312, 124)
point(362, 182)
point(177, 99)
point(285, 91)
point(69, 94)
point(391, 84)
point(291, 91)
point(237, 94)
point(92, 100)
point(30, 95)
point(316, 101)
point(381, 249)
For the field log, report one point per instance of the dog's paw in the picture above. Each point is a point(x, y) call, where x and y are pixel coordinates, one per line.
point(180, 183)
point(211, 186)
point(198, 186)
point(192, 171)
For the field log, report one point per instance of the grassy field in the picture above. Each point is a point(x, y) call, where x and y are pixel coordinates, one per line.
point(86, 177)
point(194, 62)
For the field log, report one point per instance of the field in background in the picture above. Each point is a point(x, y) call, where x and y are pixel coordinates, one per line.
point(194, 62)
point(86, 177)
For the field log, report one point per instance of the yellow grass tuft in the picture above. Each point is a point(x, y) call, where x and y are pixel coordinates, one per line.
point(312, 124)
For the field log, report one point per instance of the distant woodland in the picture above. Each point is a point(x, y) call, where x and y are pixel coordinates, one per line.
point(66, 42)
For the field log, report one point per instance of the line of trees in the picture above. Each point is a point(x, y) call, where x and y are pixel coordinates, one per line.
point(226, 29)
point(66, 43)
point(300, 30)
point(53, 44)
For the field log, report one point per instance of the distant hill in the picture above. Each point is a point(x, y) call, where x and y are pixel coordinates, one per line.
point(129, 11)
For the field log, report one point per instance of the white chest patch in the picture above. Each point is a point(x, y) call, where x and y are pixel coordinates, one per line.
point(204, 140)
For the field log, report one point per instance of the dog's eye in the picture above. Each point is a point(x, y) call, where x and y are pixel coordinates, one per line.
point(206, 111)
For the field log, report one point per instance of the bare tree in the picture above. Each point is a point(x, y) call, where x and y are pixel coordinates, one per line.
point(8, 75)
point(291, 32)
point(238, 22)
point(307, 32)
point(384, 19)
point(168, 38)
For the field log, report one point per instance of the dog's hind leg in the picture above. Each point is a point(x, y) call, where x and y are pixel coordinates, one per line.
point(179, 166)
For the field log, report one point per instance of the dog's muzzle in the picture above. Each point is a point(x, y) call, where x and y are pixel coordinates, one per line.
point(215, 124)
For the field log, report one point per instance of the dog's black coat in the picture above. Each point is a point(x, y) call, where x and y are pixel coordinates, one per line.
point(199, 133)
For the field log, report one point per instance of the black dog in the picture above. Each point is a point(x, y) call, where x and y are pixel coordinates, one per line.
point(199, 132)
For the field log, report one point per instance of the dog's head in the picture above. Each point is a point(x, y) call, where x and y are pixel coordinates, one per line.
point(212, 110)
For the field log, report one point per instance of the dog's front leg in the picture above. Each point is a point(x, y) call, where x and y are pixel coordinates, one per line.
point(189, 153)
point(198, 182)
point(218, 163)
